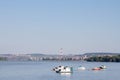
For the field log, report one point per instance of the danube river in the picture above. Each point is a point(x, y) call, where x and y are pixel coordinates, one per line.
point(43, 71)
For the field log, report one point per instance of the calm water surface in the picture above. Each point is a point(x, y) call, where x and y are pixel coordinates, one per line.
point(43, 71)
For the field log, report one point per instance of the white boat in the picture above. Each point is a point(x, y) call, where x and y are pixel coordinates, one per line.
point(81, 68)
point(63, 69)
point(103, 67)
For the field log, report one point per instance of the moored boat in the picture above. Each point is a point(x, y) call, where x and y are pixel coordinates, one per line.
point(100, 68)
point(96, 68)
point(103, 67)
point(81, 68)
point(63, 69)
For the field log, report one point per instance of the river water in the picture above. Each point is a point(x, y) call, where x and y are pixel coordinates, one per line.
point(43, 71)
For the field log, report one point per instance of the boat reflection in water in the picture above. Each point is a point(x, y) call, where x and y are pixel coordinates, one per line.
point(66, 74)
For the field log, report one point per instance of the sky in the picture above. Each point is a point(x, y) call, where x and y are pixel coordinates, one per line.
point(46, 26)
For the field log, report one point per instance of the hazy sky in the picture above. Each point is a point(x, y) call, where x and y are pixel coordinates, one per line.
point(45, 26)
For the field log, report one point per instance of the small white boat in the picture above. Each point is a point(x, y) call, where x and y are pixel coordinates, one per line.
point(63, 69)
point(103, 67)
point(81, 68)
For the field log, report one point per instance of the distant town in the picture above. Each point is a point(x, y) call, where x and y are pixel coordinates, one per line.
point(99, 57)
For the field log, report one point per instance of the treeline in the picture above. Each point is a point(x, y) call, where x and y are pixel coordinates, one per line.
point(3, 58)
point(104, 59)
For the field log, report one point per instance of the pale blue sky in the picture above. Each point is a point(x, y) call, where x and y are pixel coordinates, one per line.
point(45, 26)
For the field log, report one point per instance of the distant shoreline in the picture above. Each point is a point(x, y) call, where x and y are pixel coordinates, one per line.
point(89, 57)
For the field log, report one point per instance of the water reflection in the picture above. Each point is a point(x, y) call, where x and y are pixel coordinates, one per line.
point(66, 74)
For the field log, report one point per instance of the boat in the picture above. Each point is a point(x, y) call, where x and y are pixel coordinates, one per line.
point(63, 69)
point(96, 68)
point(100, 68)
point(81, 68)
point(103, 67)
